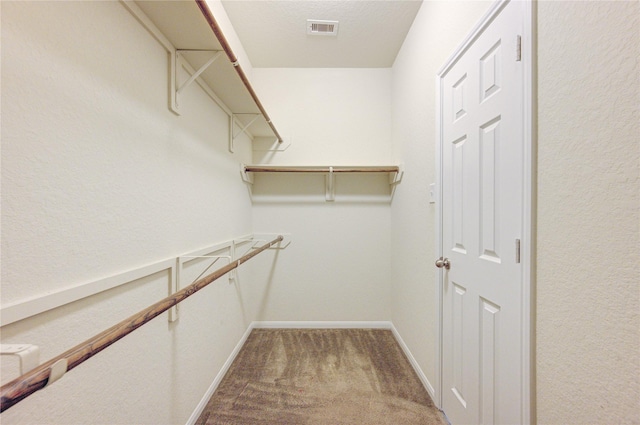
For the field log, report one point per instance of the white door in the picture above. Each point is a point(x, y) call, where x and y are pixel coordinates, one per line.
point(481, 149)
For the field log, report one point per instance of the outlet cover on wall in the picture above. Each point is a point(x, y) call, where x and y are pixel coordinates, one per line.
point(432, 193)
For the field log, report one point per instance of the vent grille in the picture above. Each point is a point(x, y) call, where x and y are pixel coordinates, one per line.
point(316, 27)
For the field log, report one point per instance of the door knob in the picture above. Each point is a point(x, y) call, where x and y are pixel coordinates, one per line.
point(443, 262)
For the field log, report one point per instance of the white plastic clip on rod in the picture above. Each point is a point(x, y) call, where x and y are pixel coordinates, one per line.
point(58, 369)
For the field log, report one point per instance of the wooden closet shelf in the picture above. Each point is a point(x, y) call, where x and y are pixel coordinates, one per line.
point(321, 169)
point(395, 173)
point(194, 40)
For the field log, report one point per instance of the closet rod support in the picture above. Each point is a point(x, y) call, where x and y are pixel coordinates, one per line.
point(330, 186)
point(396, 177)
point(28, 354)
point(212, 59)
point(178, 89)
point(243, 127)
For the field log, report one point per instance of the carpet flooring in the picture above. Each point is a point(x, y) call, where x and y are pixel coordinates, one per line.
point(321, 376)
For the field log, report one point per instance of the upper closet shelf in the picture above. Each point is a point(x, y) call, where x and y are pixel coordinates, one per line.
point(395, 172)
point(322, 169)
point(191, 35)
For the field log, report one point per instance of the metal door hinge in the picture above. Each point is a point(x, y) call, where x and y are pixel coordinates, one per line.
point(518, 48)
point(517, 251)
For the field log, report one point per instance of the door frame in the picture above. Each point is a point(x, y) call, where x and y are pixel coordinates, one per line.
point(527, 246)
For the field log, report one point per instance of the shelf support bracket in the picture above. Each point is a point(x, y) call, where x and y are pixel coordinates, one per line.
point(243, 129)
point(28, 354)
point(330, 188)
point(179, 88)
point(396, 178)
point(246, 177)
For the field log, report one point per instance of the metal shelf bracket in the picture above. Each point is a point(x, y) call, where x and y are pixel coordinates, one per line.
point(177, 283)
point(330, 186)
point(396, 178)
point(246, 177)
point(176, 87)
point(253, 241)
point(243, 128)
point(28, 354)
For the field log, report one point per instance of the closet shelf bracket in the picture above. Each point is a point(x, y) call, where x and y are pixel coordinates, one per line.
point(185, 258)
point(396, 178)
point(330, 187)
point(243, 127)
point(247, 176)
point(28, 354)
point(253, 241)
point(179, 88)
point(177, 283)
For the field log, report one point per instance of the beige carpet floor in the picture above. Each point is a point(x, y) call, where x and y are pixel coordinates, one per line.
point(321, 376)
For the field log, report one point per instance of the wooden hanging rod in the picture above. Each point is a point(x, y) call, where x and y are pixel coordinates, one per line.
point(204, 8)
point(36, 379)
point(321, 169)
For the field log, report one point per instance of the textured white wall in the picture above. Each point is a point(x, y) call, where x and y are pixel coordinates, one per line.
point(437, 30)
point(336, 268)
point(588, 324)
point(587, 256)
point(338, 265)
point(333, 116)
point(99, 177)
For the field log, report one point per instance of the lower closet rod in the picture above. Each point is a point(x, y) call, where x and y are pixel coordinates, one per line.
point(36, 379)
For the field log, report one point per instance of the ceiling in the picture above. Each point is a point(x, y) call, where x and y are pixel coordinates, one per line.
point(370, 34)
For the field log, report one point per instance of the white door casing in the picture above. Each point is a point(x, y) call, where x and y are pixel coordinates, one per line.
point(484, 163)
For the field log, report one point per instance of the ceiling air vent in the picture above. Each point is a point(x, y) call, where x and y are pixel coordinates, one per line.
point(316, 27)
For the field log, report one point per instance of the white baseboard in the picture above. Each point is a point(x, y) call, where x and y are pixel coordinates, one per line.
point(308, 325)
point(423, 378)
point(322, 325)
point(214, 385)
